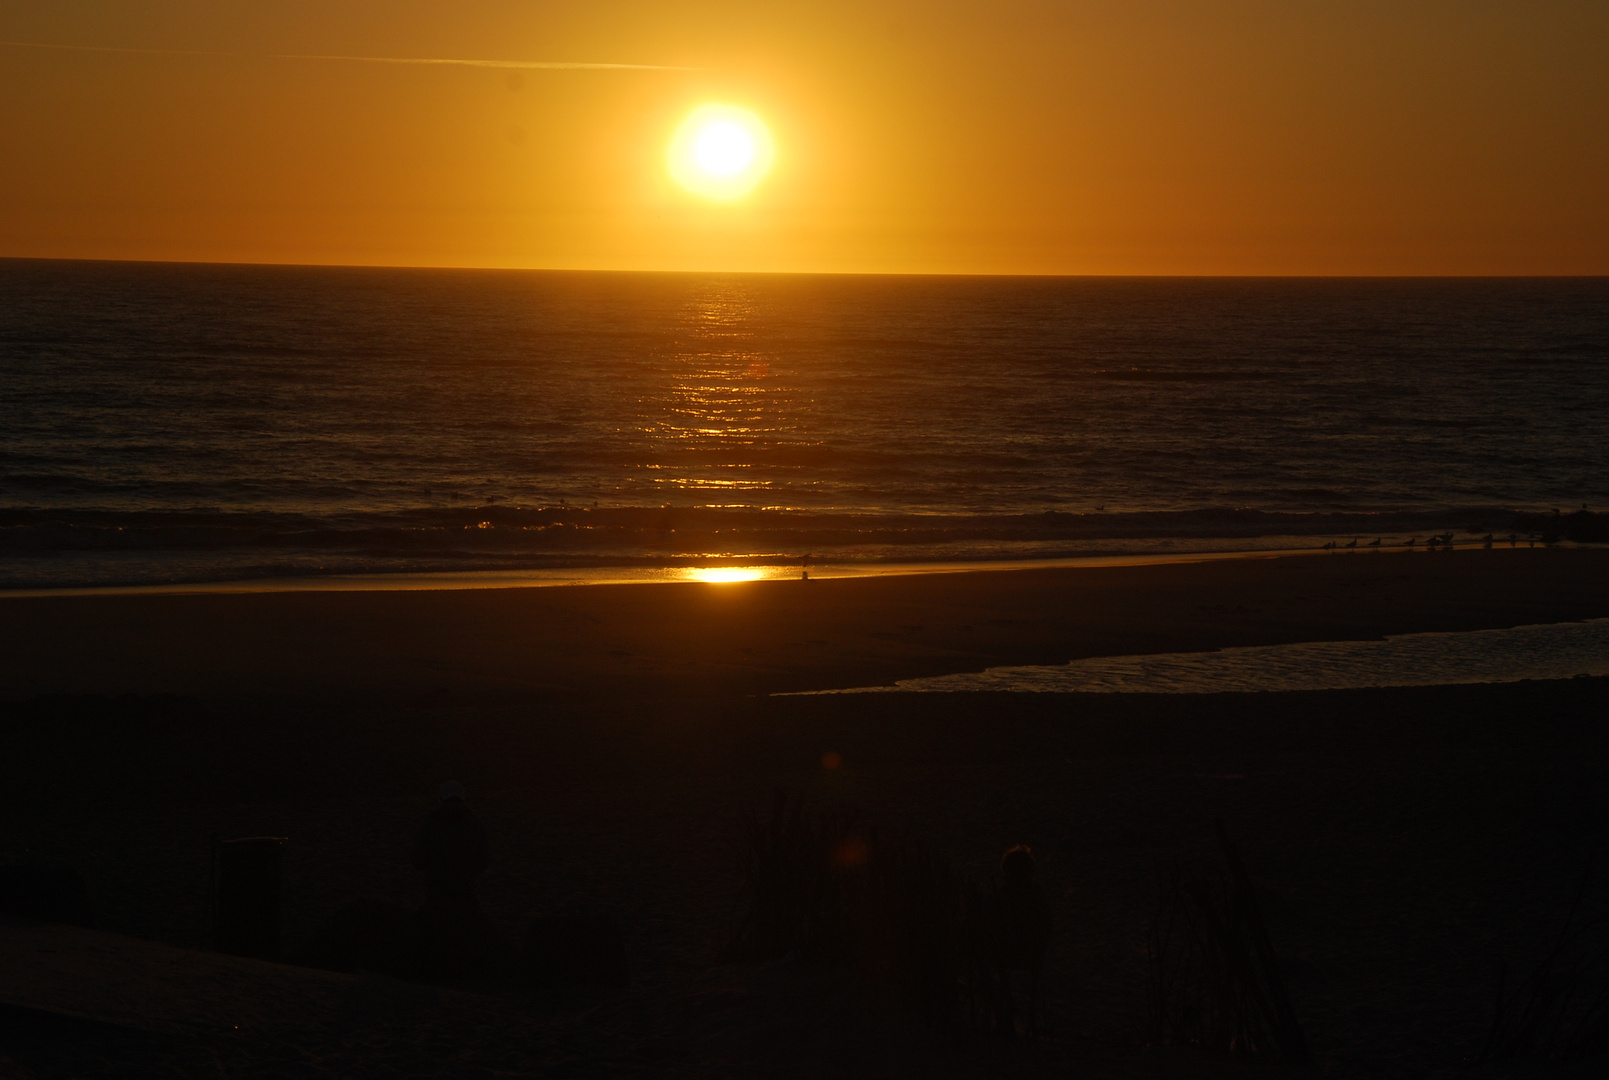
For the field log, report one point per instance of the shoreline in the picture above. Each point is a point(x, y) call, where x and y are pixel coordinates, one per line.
point(722, 573)
point(763, 636)
point(1576, 649)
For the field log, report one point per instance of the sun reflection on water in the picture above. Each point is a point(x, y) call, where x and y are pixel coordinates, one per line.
point(726, 403)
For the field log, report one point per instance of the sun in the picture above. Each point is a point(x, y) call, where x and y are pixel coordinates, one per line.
point(720, 152)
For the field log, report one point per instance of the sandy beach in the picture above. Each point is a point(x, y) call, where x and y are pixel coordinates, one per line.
point(768, 636)
point(612, 738)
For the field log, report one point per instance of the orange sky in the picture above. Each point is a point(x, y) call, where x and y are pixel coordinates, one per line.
point(1110, 137)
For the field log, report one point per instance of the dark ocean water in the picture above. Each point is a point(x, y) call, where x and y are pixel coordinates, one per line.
point(183, 423)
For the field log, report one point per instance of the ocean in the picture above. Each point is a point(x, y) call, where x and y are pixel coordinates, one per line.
point(168, 423)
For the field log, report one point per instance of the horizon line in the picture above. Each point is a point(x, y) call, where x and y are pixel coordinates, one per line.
point(819, 273)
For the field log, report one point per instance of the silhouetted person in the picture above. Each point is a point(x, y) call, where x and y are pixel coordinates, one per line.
point(1024, 933)
point(450, 849)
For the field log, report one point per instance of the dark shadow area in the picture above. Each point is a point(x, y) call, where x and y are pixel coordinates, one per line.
point(1559, 1010)
point(35, 1042)
point(1400, 846)
point(44, 892)
point(1214, 978)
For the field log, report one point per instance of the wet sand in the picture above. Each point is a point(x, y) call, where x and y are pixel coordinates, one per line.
point(1407, 840)
point(765, 637)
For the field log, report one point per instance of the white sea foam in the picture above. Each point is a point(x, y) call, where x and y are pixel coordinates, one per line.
point(1552, 651)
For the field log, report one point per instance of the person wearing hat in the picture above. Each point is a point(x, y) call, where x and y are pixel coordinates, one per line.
point(1024, 936)
point(450, 849)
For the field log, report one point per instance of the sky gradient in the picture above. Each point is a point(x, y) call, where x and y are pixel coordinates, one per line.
point(1111, 137)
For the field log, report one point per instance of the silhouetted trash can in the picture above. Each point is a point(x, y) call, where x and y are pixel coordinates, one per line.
point(245, 896)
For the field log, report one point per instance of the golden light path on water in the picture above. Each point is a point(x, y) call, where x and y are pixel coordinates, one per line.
point(724, 398)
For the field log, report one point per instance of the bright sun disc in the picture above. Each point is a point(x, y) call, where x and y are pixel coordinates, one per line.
point(723, 148)
point(720, 152)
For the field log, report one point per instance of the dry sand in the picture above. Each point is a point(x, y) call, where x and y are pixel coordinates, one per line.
point(612, 737)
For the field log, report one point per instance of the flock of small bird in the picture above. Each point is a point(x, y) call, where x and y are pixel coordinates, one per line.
point(1439, 540)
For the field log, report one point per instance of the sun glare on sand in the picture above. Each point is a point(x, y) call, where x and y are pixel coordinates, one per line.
point(726, 573)
point(720, 152)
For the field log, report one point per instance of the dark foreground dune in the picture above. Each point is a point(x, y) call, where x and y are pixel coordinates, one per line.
point(1405, 842)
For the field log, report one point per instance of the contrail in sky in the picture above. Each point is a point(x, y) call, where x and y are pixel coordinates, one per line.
point(553, 65)
point(556, 65)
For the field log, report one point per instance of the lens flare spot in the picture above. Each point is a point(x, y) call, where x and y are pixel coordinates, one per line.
point(851, 852)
